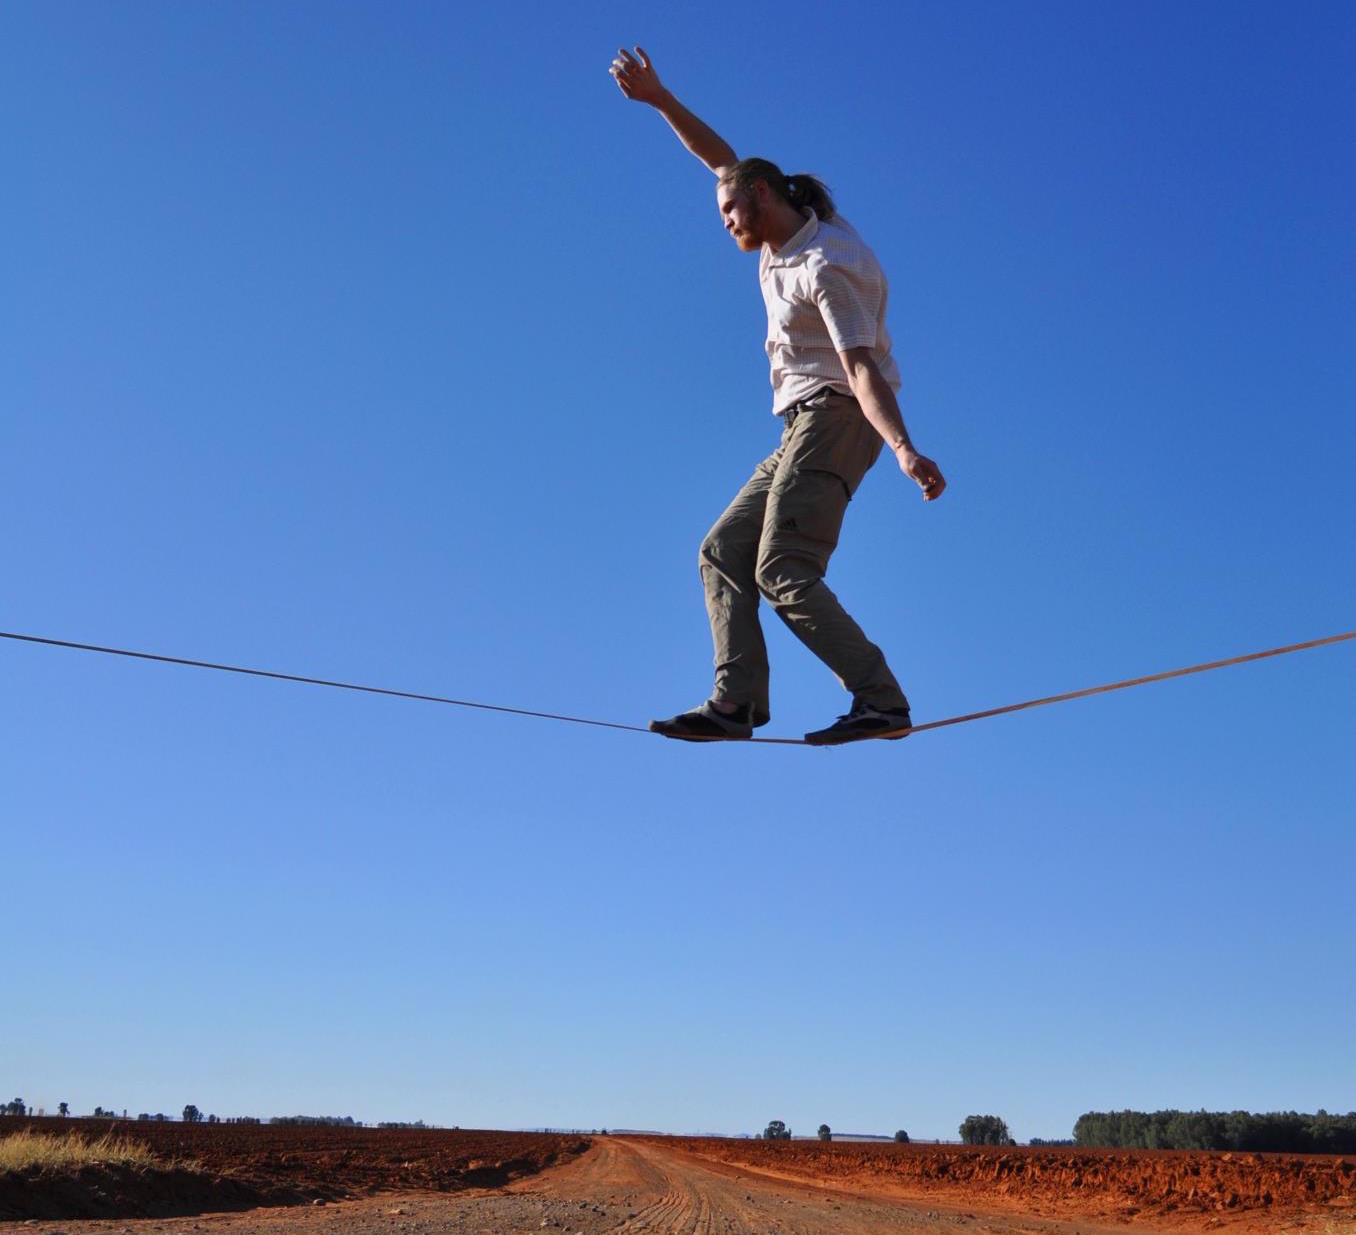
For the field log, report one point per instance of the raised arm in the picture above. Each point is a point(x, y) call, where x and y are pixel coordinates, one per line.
point(636, 78)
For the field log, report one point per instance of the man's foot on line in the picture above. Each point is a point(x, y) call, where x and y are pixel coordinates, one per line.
point(708, 724)
point(863, 721)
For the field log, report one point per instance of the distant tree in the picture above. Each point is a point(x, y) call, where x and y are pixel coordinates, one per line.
point(63, 1110)
point(99, 1112)
point(143, 1115)
point(825, 1132)
point(212, 1119)
point(985, 1130)
point(776, 1131)
point(16, 1107)
point(901, 1137)
point(192, 1115)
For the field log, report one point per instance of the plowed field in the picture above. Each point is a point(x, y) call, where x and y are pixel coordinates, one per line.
point(1104, 1184)
point(238, 1166)
point(489, 1183)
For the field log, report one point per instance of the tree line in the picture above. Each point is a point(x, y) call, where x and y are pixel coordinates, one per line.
point(1275, 1132)
point(192, 1115)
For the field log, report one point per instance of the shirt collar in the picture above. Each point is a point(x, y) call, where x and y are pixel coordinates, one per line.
point(797, 242)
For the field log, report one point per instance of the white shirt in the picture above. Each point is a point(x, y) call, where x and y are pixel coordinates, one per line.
point(825, 292)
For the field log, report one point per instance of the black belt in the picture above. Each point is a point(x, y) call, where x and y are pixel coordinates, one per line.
point(791, 412)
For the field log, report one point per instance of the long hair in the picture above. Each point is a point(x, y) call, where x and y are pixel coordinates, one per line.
point(801, 190)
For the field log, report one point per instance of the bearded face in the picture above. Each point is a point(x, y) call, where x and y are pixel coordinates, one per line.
point(743, 216)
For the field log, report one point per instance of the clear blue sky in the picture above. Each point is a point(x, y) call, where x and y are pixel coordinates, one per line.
point(393, 344)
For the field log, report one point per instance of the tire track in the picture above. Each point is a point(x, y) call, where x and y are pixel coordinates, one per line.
point(681, 1210)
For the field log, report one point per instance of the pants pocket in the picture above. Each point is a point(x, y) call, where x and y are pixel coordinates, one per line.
point(807, 504)
point(838, 439)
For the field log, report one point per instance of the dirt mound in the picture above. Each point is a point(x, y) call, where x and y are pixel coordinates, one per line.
point(1116, 1184)
point(218, 1167)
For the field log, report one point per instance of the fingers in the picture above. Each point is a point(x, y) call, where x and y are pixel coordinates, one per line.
point(621, 69)
point(925, 474)
point(634, 74)
point(930, 480)
point(626, 63)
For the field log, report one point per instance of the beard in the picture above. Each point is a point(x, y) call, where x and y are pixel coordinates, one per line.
point(750, 237)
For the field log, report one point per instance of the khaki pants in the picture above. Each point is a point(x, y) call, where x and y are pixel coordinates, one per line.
point(774, 541)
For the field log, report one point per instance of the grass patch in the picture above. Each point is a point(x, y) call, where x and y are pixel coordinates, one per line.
point(23, 1150)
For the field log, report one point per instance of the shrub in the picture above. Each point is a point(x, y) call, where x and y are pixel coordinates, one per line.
point(985, 1130)
point(29, 1149)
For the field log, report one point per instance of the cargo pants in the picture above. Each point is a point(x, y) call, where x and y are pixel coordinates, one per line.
point(774, 542)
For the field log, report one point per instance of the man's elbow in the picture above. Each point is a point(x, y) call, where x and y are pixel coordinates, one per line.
point(722, 161)
point(859, 366)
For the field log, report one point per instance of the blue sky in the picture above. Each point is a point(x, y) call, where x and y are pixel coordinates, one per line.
point(394, 345)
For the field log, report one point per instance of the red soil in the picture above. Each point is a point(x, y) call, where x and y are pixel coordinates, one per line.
point(237, 1166)
point(1062, 1182)
point(667, 1180)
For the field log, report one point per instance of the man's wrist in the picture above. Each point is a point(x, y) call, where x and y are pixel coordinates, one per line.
point(901, 443)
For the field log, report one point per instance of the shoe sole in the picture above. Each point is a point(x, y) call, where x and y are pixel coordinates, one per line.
point(699, 737)
point(840, 739)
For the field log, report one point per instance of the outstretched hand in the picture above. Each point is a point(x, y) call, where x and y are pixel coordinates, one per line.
point(923, 472)
point(635, 76)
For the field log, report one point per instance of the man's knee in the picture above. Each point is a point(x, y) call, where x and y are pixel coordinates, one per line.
point(711, 552)
point(726, 565)
point(785, 578)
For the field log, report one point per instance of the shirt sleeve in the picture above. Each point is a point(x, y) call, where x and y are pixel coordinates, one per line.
point(847, 304)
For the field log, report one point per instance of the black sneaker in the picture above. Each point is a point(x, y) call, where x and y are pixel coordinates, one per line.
point(706, 724)
point(863, 721)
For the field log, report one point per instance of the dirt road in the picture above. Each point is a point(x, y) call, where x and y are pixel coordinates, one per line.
point(651, 1187)
point(646, 1186)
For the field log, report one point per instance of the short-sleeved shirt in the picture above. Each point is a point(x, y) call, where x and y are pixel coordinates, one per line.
point(825, 292)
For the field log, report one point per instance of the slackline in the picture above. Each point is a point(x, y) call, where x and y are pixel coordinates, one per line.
point(608, 724)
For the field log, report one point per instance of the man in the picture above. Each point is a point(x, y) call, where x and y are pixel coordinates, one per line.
point(834, 384)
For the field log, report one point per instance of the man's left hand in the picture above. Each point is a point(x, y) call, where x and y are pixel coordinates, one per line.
point(923, 471)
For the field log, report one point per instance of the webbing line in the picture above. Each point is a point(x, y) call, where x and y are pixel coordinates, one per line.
point(1102, 690)
point(295, 677)
point(607, 724)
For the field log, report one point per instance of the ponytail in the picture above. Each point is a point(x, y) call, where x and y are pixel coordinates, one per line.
point(801, 190)
point(804, 190)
